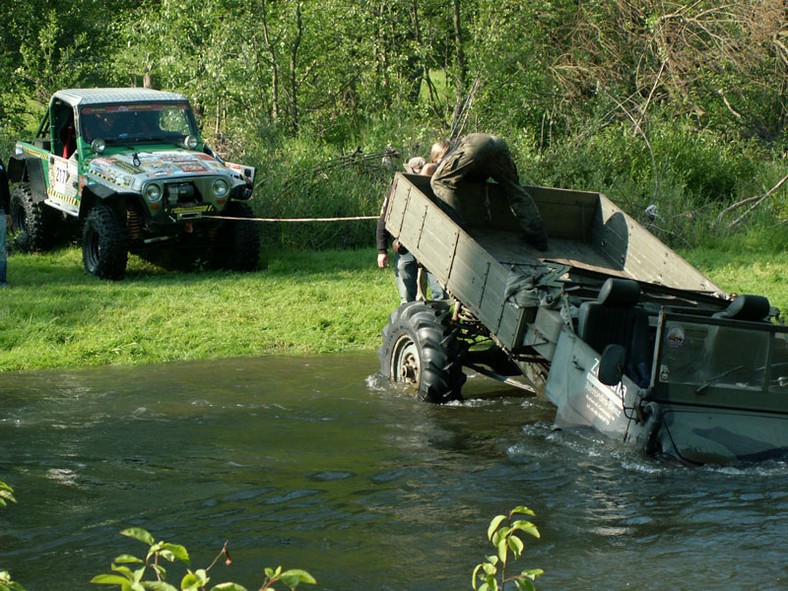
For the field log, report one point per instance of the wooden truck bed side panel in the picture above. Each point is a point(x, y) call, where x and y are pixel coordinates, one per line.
point(641, 254)
point(468, 271)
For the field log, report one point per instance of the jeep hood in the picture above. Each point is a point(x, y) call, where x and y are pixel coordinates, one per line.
point(132, 170)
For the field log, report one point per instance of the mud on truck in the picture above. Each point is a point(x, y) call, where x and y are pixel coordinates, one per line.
point(127, 171)
point(610, 325)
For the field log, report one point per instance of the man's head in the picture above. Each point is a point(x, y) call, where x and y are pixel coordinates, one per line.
point(439, 150)
point(414, 165)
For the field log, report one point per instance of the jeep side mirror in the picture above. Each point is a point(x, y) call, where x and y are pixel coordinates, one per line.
point(611, 365)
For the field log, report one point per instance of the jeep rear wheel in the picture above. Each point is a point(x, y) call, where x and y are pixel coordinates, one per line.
point(237, 246)
point(420, 348)
point(29, 220)
point(104, 244)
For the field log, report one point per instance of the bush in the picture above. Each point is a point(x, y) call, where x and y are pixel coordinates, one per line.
point(299, 177)
point(689, 176)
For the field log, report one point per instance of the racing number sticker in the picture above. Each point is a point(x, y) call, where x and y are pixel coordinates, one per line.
point(61, 176)
point(62, 173)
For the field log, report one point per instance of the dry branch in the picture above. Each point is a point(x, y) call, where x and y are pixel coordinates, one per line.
point(753, 202)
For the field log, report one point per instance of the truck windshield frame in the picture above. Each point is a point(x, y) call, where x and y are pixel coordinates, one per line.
point(725, 356)
point(137, 122)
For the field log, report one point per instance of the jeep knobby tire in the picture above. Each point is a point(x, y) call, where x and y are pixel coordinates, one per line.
point(420, 348)
point(104, 244)
point(31, 222)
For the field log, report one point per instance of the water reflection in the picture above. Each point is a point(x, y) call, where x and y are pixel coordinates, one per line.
point(314, 463)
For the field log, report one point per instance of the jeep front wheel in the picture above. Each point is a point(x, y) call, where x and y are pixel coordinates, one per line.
point(104, 244)
point(420, 348)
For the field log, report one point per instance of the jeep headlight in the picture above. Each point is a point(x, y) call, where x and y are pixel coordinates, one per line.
point(220, 188)
point(190, 142)
point(98, 145)
point(153, 192)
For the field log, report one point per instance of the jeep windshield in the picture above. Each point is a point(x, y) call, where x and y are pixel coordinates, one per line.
point(706, 354)
point(135, 123)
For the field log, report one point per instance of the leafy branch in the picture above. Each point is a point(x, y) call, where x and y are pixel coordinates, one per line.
point(753, 202)
point(130, 578)
point(6, 494)
point(490, 575)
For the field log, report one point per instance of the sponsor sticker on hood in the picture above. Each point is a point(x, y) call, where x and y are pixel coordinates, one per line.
point(153, 164)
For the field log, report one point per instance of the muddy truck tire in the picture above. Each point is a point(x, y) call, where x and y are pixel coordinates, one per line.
point(420, 349)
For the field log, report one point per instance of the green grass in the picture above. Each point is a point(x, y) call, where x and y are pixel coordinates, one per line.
point(53, 315)
point(305, 302)
point(746, 272)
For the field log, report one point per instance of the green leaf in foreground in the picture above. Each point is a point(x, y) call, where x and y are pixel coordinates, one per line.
point(490, 574)
point(192, 580)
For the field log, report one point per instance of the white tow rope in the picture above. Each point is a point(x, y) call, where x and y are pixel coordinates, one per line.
point(291, 220)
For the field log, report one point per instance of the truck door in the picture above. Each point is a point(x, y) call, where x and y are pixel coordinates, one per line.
point(63, 183)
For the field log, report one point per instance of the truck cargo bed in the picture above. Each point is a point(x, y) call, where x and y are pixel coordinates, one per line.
point(479, 260)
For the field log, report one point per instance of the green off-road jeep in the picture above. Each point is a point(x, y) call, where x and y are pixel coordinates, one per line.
point(128, 166)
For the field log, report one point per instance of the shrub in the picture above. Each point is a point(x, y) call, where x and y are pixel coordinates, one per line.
point(504, 534)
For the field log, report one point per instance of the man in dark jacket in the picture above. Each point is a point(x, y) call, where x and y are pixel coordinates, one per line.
point(478, 157)
point(5, 221)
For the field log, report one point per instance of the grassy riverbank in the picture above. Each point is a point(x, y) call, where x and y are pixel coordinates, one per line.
point(53, 315)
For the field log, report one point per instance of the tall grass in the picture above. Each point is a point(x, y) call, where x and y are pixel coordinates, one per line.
point(306, 178)
point(688, 176)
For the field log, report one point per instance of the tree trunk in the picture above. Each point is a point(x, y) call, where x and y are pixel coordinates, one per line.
point(270, 49)
point(293, 69)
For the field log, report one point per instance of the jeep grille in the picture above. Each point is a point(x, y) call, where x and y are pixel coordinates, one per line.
point(180, 194)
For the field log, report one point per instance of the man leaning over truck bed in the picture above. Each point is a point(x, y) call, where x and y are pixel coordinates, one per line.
point(476, 158)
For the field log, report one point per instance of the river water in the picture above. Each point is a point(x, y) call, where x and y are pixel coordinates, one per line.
point(315, 463)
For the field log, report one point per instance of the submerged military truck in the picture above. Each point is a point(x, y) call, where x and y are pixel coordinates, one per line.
point(610, 325)
point(127, 168)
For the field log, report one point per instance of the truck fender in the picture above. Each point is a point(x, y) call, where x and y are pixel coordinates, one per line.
point(92, 195)
point(23, 168)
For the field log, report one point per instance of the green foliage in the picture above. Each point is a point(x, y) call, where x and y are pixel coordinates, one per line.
point(682, 106)
point(129, 578)
point(6, 494)
point(504, 534)
point(688, 175)
point(6, 582)
point(303, 180)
